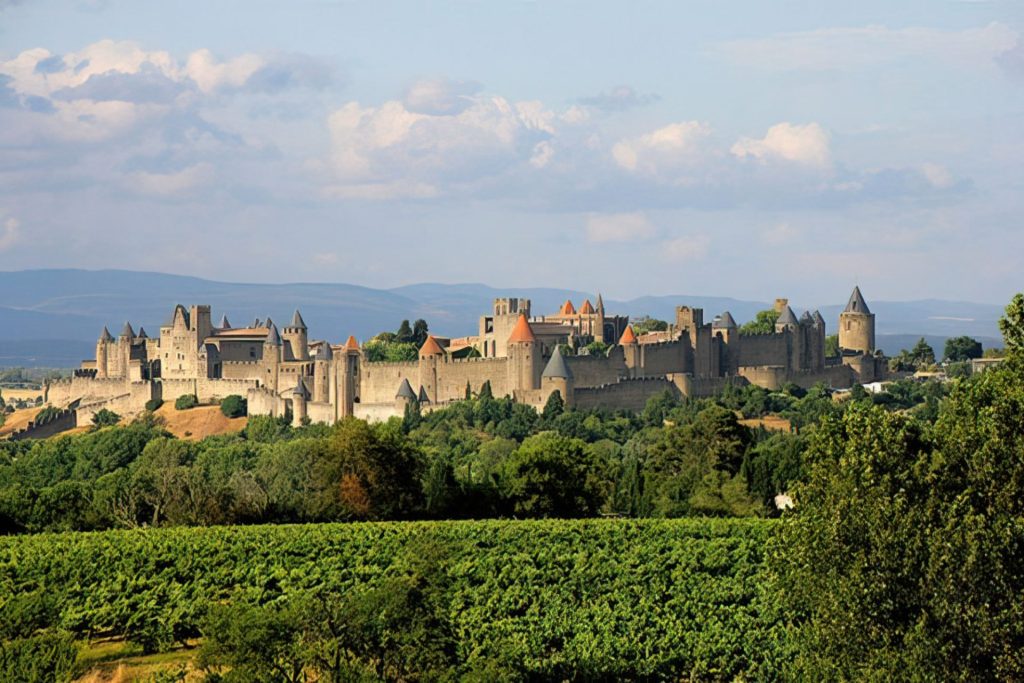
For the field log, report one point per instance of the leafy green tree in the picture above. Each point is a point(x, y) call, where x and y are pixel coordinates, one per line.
point(1011, 325)
point(257, 643)
point(554, 407)
point(832, 346)
point(104, 418)
point(549, 475)
point(922, 355)
point(234, 406)
point(960, 349)
point(763, 323)
point(597, 348)
point(645, 324)
point(405, 334)
point(419, 332)
point(186, 402)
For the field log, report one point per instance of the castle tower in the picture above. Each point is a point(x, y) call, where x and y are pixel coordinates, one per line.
point(224, 323)
point(202, 326)
point(857, 326)
point(630, 349)
point(525, 358)
point(347, 369)
point(272, 358)
point(431, 354)
point(558, 377)
point(103, 348)
point(725, 329)
point(787, 322)
point(296, 342)
point(601, 334)
point(300, 395)
point(405, 396)
point(322, 374)
point(818, 358)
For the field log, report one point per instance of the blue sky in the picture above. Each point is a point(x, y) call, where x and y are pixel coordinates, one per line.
point(743, 149)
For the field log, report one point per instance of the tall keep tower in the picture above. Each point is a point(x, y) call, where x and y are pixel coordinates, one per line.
point(294, 337)
point(857, 325)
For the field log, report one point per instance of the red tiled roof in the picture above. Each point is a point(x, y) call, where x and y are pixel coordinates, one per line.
point(568, 308)
point(522, 331)
point(430, 348)
point(627, 337)
point(351, 344)
point(586, 308)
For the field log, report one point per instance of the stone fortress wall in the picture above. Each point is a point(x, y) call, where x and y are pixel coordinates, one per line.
point(282, 372)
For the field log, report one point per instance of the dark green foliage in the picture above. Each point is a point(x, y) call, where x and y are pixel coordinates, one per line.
point(960, 349)
point(404, 334)
point(105, 418)
point(46, 415)
point(46, 657)
point(234, 406)
point(1011, 325)
point(186, 402)
point(645, 324)
point(763, 323)
point(832, 346)
point(546, 600)
point(419, 332)
point(549, 475)
point(154, 404)
point(554, 407)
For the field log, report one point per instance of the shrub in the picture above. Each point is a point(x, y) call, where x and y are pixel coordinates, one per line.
point(234, 406)
point(186, 401)
point(105, 418)
point(39, 658)
point(154, 405)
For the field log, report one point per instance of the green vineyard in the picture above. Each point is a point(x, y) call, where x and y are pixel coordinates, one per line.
point(595, 599)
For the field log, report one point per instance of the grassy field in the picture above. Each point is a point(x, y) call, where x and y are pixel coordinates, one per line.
point(198, 423)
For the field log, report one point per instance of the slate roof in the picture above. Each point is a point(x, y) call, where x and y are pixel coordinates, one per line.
point(787, 317)
point(300, 389)
point(127, 330)
point(106, 336)
point(556, 367)
point(423, 398)
point(856, 304)
point(725, 320)
point(224, 324)
point(274, 337)
point(405, 390)
point(325, 352)
point(297, 321)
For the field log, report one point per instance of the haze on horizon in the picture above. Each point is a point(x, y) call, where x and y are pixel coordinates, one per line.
point(736, 149)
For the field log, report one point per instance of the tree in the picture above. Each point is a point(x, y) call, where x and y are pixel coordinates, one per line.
point(645, 324)
point(234, 406)
point(554, 407)
point(419, 332)
point(405, 333)
point(186, 402)
point(258, 643)
point(832, 346)
point(922, 354)
point(763, 323)
point(959, 349)
point(549, 476)
point(104, 418)
point(1011, 325)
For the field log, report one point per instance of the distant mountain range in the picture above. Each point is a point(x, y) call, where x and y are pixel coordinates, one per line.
point(52, 318)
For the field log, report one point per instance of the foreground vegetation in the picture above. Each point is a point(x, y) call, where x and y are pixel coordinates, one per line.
point(902, 558)
point(548, 600)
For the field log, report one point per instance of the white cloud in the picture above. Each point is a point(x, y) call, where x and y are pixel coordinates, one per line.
point(685, 248)
point(855, 47)
point(801, 144)
point(938, 175)
point(671, 147)
point(389, 150)
point(170, 184)
point(10, 233)
point(439, 96)
point(619, 227)
point(210, 75)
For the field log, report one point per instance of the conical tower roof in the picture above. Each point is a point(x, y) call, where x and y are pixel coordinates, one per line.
point(142, 333)
point(725, 320)
point(351, 344)
point(268, 323)
point(423, 398)
point(405, 390)
point(274, 337)
point(300, 389)
point(224, 323)
point(431, 347)
point(627, 336)
point(600, 303)
point(556, 367)
point(522, 332)
point(856, 304)
point(127, 330)
point(297, 321)
point(806, 318)
point(787, 317)
point(818, 320)
point(586, 308)
point(106, 336)
point(568, 308)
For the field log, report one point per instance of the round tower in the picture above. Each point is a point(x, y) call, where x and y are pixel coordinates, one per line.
point(857, 326)
point(271, 358)
point(300, 395)
point(322, 373)
point(431, 354)
point(558, 377)
point(296, 341)
point(347, 369)
point(525, 357)
point(630, 349)
point(103, 353)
